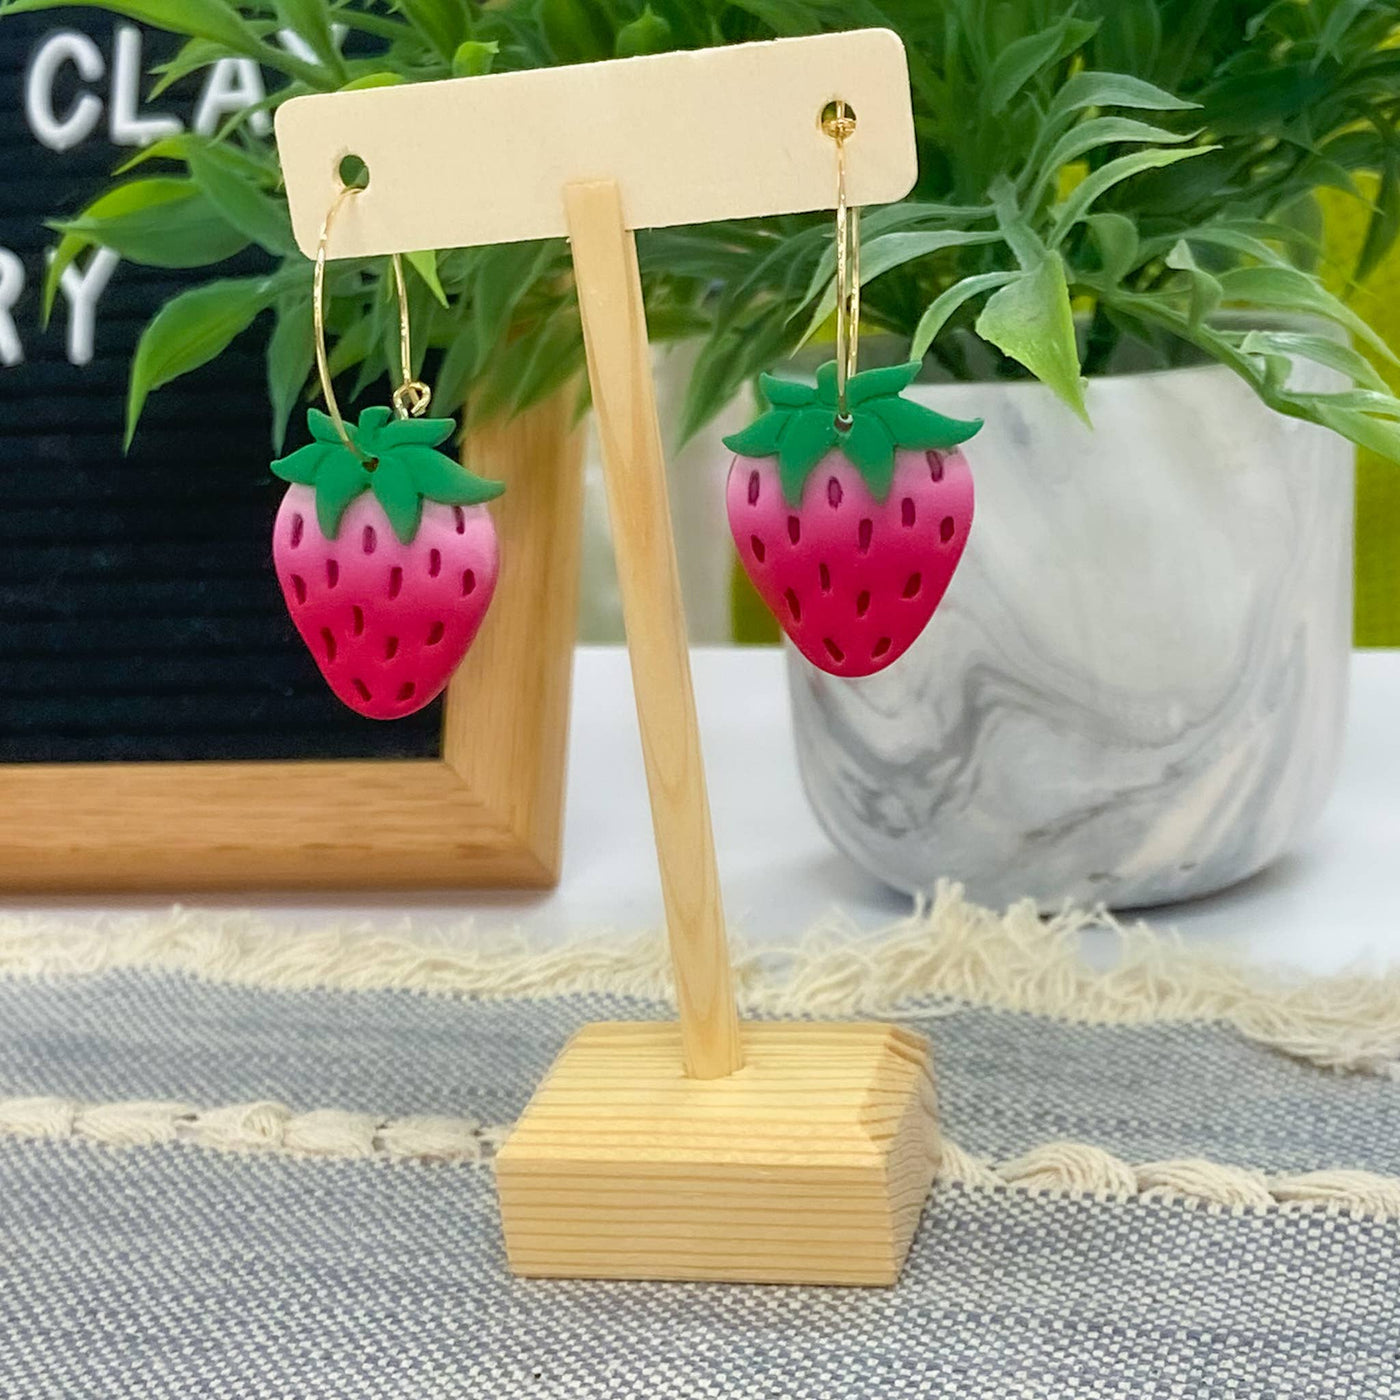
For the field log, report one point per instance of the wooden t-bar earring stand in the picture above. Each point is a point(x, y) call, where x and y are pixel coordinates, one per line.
point(700, 1148)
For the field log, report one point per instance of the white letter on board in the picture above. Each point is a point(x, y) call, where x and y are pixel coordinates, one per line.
point(63, 133)
point(232, 85)
point(11, 285)
point(128, 126)
point(81, 290)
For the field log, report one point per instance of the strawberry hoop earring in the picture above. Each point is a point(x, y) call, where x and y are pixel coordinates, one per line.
point(850, 504)
point(383, 547)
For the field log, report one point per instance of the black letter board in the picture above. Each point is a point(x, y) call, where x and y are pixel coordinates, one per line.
point(139, 615)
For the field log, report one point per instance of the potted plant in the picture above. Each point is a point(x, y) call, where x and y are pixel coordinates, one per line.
point(1134, 689)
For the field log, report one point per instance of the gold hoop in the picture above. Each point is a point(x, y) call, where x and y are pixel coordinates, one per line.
point(412, 397)
point(841, 126)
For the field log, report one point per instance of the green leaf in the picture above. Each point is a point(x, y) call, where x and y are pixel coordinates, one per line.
point(1287, 289)
point(648, 33)
point(311, 19)
point(189, 331)
point(870, 448)
point(1373, 433)
point(826, 384)
point(1090, 89)
point(304, 465)
point(810, 435)
point(290, 355)
point(1106, 176)
point(1205, 289)
point(474, 58)
point(438, 478)
point(341, 478)
point(880, 383)
point(445, 24)
point(1022, 59)
point(503, 275)
point(1030, 320)
point(786, 393)
point(134, 197)
point(1384, 404)
point(242, 205)
point(179, 227)
point(200, 19)
point(394, 489)
point(914, 426)
point(1088, 136)
point(1117, 239)
point(373, 80)
point(577, 31)
point(1335, 354)
point(454, 372)
point(1344, 14)
point(762, 436)
point(947, 303)
point(425, 265)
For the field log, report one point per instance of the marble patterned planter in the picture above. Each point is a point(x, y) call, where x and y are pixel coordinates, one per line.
point(1134, 690)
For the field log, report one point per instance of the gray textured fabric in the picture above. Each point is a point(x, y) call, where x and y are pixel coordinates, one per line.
point(1007, 1082)
point(180, 1272)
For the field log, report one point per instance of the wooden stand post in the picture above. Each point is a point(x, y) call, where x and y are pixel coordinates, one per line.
point(624, 403)
point(698, 1149)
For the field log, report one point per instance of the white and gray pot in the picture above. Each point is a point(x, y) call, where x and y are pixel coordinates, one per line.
point(1134, 689)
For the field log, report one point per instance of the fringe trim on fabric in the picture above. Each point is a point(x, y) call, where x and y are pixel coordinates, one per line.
point(1059, 1169)
point(249, 1127)
point(948, 948)
point(1079, 1170)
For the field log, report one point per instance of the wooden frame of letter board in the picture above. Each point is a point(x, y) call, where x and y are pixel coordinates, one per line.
point(487, 811)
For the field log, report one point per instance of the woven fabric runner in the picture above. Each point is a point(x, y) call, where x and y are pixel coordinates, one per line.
point(251, 1164)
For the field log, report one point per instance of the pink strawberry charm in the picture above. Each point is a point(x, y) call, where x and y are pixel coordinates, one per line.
point(850, 532)
point(387, 560)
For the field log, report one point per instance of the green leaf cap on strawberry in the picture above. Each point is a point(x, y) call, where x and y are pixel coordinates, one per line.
point(801, 426)
point(399, 465)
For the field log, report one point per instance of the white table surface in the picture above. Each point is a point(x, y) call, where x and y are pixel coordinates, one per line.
point(1329, 904)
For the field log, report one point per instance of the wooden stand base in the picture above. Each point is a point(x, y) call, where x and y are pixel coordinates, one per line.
point(810, 1164)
